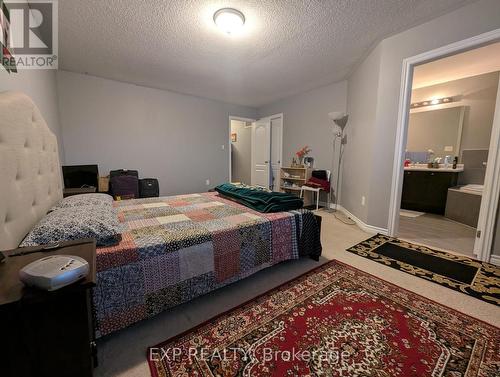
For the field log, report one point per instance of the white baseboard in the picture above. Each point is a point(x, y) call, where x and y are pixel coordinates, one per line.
point(366, 227)
point(495, 259)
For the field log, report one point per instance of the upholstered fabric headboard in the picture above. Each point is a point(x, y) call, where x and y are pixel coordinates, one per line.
point(30, 173)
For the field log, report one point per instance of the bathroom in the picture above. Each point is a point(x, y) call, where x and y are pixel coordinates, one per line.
point(448, 141)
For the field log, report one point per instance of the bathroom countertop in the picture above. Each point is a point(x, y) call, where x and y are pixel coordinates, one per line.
point(441, 169)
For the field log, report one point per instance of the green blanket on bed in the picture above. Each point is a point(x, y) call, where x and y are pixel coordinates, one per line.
point(259, 199)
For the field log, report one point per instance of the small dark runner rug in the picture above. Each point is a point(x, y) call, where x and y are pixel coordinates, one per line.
point(469, 276)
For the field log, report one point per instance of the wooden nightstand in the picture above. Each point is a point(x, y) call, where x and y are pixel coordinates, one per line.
point(47, 334)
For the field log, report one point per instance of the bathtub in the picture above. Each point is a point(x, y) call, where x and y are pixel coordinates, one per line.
point(472, 189)
point(463, 204)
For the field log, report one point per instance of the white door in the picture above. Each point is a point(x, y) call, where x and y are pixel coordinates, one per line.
point(261, 153)
point(276, 152)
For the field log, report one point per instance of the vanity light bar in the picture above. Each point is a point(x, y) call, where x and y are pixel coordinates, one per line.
point(431, 102)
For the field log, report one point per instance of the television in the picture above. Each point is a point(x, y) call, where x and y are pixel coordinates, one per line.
point(77, 176)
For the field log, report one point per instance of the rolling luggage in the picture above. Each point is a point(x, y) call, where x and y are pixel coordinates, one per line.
point(124, 186)
point(149, 188)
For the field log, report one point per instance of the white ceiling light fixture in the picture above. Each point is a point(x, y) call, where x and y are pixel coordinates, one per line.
point(229, 20)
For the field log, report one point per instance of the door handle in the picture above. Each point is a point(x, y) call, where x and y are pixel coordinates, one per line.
point(266, 162)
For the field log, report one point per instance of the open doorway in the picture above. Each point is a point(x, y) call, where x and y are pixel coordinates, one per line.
point(241, 151)
point(256, 151)
point(449, 149)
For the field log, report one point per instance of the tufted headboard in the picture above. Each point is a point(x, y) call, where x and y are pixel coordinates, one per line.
point(30, 173)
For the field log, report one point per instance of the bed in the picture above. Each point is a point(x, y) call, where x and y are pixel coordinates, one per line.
point(176, 248)
point(172, 249)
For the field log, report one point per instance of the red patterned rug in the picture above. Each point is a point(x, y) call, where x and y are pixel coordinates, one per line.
point(334, 321)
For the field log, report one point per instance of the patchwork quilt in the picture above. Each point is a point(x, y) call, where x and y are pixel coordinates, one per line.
point(176, 248)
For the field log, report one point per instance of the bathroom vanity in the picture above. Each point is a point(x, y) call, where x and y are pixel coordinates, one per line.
point(426, 189)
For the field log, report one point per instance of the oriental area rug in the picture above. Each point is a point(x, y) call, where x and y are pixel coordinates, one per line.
point(334, 321)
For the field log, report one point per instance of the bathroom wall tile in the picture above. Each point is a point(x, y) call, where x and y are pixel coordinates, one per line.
point(474, 158)
point(475, 176)
point(475, 170)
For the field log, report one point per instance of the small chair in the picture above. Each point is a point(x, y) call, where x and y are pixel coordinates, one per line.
point(316, 190)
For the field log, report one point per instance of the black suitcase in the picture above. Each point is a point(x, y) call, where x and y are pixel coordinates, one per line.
point(149, 188)
point(124, 186)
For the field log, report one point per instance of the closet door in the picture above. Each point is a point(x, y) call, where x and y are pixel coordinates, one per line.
point(261, 153)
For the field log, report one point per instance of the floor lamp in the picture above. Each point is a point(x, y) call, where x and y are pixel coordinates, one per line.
point(339, 119)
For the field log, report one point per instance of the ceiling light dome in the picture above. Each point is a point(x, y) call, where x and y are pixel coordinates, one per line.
point(229, 20)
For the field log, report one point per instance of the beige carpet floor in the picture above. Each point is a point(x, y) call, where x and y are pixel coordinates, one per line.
point(124, 353)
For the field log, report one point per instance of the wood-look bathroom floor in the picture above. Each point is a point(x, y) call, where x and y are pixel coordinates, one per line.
point(438, 231)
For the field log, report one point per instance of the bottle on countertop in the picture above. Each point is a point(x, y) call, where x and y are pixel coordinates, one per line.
point(430, 158)
point(448, 161)
point(455, 162)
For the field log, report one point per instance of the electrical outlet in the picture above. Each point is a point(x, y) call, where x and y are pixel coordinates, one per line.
point(207, 182)
point(363, 200)
point(223, 147)
point(448, 148)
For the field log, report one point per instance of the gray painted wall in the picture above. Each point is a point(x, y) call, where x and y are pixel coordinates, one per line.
point(306, 122)
point(173, 137)
point(478, 94)
point(385, 63)
point(40, 86)
point(358, 166)
point(241, 153)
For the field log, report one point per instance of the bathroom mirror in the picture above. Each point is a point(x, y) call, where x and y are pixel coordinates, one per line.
point(436, 129)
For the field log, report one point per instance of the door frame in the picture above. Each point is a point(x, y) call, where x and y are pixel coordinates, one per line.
point(402, 133)
point(229, 148)
point(489, 202)
point(271, 118)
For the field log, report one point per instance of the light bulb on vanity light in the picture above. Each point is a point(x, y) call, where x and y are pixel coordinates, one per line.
point(432, 102)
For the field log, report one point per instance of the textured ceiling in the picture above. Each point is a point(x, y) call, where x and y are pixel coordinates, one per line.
point(286, 46)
